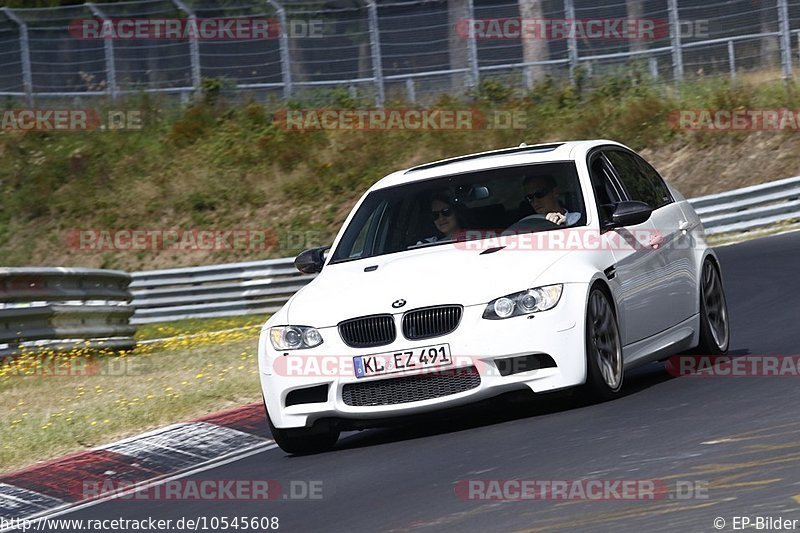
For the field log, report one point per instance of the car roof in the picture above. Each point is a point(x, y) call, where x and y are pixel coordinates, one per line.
point(506, 157)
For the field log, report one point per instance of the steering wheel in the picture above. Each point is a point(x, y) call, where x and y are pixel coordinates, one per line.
point(530, 223)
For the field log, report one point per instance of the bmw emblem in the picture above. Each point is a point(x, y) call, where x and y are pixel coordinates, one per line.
point(397, 304)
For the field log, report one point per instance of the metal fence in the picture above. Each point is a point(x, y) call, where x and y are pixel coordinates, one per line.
point(749, 207)
point(61, 308)
point(264, 286)
point(214, 290)
point(410, 49)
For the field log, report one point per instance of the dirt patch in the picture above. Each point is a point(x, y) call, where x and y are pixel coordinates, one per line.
point(717, 162)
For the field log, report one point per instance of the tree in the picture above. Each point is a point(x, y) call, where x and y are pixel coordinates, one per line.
point(768, 22)
point(458, 10)
point(635, 10)
point(534, 48)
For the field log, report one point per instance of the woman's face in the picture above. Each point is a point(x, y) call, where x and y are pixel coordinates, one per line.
point(445, 224)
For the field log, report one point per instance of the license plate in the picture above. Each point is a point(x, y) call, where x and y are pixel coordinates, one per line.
point(402, 361)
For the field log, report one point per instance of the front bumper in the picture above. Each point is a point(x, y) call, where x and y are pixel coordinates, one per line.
point(477, 342)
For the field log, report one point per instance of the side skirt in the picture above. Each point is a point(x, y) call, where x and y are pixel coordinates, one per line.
point(660, 346)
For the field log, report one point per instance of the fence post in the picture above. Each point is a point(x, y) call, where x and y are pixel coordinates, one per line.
point(25, 54)
point(286, 65)
point(798, 46)
point(375, 45)
point(732, 60)
point(572, 42)
point(108, 45)
point(786, 38)
point(675, 40)
point(652, 62)
point(472, 47)
point(194, 45)
point(411, 92)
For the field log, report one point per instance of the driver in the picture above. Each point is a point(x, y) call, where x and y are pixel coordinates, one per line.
point(542, 193)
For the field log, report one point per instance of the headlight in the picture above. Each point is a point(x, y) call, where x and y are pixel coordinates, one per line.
point(523, 303)
point(294, 337)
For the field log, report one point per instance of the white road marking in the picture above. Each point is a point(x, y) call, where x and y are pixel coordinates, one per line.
point(13, 499)
point(229, 458)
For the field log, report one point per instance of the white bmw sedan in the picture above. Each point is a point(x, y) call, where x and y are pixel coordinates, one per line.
point(534, 268)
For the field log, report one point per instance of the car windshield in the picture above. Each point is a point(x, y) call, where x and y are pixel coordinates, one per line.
point(464, 206)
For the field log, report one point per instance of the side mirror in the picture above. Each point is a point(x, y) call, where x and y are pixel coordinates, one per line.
point(311, 261)
point(630, 213)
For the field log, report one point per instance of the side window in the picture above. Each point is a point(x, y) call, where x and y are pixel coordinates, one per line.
point(656, 180)
point(639, 184)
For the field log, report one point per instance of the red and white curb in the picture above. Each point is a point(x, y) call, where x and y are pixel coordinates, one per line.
point(166, 453)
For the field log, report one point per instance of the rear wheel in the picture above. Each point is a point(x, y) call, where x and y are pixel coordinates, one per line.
point(318, 438)
point(604, 365)
point(714, 327)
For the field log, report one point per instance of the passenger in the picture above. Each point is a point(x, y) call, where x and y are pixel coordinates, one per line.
point(542, 194)
point(446, 218)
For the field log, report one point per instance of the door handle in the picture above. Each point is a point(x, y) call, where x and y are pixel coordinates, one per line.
point(683, 225)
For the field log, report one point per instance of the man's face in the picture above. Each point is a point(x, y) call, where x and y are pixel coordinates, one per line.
point(548, 202)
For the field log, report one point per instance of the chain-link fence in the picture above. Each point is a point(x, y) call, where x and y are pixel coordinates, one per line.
point(404, 49)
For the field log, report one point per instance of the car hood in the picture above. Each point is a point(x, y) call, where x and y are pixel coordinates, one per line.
point(444, 274)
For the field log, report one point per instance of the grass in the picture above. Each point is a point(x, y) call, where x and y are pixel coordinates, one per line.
point(721, 239)
point(195, 326)
point(223, 164)
point(58, 404)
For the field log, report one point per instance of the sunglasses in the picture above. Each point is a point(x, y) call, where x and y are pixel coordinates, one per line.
point(446, 212)
point(541, 193)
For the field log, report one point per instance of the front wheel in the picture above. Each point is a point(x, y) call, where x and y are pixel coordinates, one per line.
point(604, 365)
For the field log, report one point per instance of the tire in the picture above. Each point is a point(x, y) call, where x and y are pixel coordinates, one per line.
point(320, 437)
point(604, 364)
point(714, 323)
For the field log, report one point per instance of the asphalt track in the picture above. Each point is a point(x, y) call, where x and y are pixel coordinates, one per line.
point(739, 437)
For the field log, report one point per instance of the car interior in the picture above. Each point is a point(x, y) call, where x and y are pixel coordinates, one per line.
point(399, 218)
point(502, 210)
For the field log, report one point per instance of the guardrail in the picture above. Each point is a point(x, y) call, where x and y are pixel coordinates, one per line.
point(749, 207)
point(64, 307)
point(215, 290)
point(61, 308)
point(264, 286)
